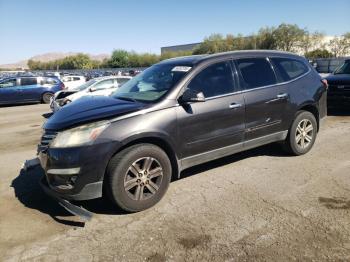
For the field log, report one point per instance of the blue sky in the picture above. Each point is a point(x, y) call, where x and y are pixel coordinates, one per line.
point(30, 27)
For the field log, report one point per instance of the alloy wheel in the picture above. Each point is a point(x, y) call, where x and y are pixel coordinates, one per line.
point(304, 133)
point(143, 178)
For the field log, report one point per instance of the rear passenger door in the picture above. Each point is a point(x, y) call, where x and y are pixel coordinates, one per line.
point(263, 99)
point(29, 89)
point(288, 70)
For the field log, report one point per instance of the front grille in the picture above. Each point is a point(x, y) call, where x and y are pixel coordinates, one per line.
point(46, 139)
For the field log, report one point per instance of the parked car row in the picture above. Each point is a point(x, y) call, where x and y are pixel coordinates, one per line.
point(176, 114)
point(57, 92)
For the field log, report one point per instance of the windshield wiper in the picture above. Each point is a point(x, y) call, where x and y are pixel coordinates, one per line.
point(126, 98)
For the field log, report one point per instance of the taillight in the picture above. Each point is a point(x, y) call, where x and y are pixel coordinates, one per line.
point(325, 83)
point(62, 86)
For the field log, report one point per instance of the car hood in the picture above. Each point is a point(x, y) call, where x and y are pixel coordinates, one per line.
point(88, 109)
point(341, 79)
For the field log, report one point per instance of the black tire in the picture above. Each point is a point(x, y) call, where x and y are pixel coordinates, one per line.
point(46, 97)
point(120, 171)
point(291, 145)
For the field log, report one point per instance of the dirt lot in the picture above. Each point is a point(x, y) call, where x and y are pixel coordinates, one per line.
point(257, 205)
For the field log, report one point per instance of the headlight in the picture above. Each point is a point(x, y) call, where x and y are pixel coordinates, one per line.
point(80, 135)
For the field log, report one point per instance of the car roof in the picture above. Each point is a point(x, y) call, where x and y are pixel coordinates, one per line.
point(73, 76)
point(196, 59)
point(109, 77)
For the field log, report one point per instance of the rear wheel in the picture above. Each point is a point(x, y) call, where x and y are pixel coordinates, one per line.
point(46, 98)
point(138, 177)
point(302, 134)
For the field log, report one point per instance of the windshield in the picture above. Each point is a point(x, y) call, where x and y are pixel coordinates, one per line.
point(343, 69)
point(152, 84)
point(86, 85)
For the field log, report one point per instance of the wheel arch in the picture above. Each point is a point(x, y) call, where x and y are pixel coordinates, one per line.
point(312, 108)
point(161, 143)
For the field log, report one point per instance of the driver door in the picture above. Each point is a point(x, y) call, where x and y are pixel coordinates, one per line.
point(207, 127)
point(9, 91)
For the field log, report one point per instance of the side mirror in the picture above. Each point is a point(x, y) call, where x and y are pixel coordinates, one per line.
point(92, 89)
point(192, 96)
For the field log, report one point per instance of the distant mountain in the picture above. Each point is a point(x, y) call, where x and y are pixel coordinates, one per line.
point(49, 57)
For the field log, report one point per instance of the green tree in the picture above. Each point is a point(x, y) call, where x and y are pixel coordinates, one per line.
point(318, 53)
point(119, 58)
point(288, 37)
point(265, 38)
point(340, 46)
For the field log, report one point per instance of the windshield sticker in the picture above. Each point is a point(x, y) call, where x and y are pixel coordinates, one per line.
point(181, 69)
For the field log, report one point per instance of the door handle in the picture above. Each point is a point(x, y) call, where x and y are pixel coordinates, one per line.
point(282, 96)
point(279, 97)
point(235, 105)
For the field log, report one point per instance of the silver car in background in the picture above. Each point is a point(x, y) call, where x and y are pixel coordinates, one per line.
point(101, 86)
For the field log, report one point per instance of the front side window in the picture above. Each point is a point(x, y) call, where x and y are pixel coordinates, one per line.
point(28, 81)
point(289, 69)
point(8, 83)
point(256, 72)
point(76, 78)
point(343, 69)
point(153, 83)
point(86, 85)
point(122, 81)
point(214, 80)
point(104, 84)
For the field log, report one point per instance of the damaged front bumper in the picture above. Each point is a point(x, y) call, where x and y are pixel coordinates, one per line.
point(74, 209)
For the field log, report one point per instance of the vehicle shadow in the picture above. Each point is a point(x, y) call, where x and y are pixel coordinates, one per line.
point(274, 149)
point(28, 191)
point(21, 104)
point(47, 115)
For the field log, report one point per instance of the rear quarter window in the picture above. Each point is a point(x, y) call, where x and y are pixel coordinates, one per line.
point(48, 81)
point(288, 69)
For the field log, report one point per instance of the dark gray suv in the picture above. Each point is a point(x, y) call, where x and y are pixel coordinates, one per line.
point(176, 114)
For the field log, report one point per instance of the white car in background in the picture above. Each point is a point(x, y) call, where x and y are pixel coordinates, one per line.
point(101, 86)
point(71, 82)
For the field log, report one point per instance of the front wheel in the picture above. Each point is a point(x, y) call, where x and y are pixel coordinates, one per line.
point(302, 134)
point(46, 98)
point(138, 177)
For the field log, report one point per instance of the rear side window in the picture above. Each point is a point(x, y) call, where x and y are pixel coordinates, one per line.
point(289, 69)
point(256, 72)
point(214, 80)
point(48, 81)
point(28, 81)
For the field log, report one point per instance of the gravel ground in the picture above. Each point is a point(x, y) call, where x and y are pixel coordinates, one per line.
point(257, 205)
